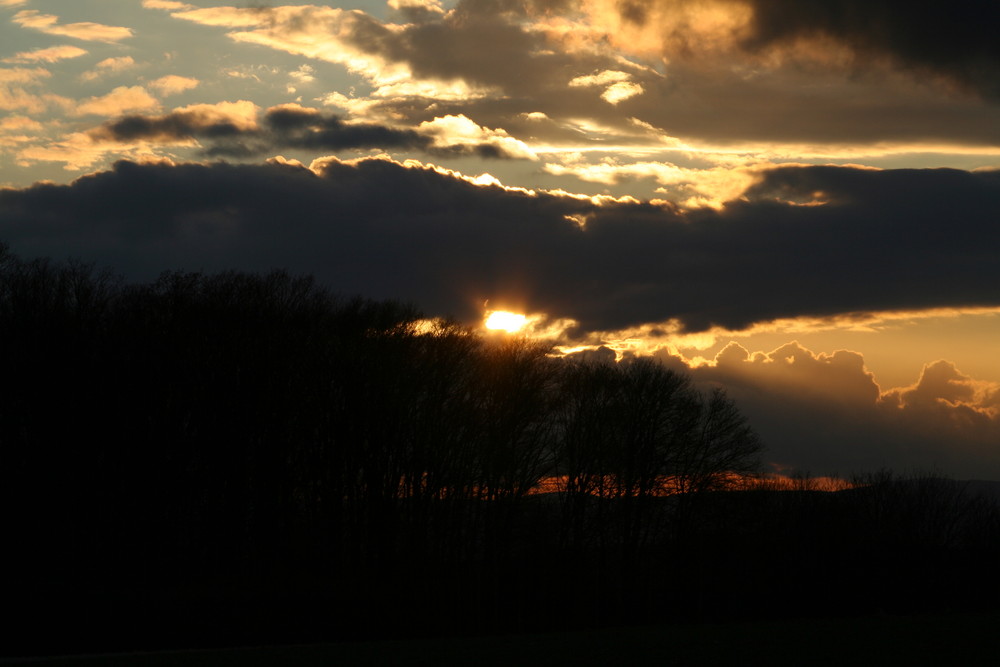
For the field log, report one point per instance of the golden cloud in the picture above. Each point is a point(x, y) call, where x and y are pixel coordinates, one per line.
point(121, 100)
point(456, 130)
point(169, 5)
point(599, 79)
point(49, 55)
point(18, 124)
point(87, 31)
point(77, 151)
point(14, 95)
point(173, 84)
point(618, 92)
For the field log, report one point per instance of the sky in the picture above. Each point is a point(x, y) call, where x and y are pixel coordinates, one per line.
point(797, 200)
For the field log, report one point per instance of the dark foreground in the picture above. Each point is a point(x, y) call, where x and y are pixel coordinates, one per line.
point(956, 639)
point(237, 460)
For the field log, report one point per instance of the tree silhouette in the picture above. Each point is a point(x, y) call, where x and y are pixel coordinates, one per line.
point(251, 453)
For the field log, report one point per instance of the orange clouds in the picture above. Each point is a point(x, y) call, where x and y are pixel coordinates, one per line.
point(824, 412)
point(943, 388)
point(455, 131)
point(49, 24)
point(49, 55)
point(843, 377)
point(840, 376)
point(121, 100)
point(670, 27)
point(172, 84)
point(109, 66)
point(16, 94)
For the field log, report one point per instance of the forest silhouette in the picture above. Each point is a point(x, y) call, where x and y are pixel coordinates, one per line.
point(247, 458)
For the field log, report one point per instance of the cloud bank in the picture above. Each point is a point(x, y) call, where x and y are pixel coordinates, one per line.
point(801, 241)
point(825, 413)
point(807, 81)
point(292, 126)
point(955, 40)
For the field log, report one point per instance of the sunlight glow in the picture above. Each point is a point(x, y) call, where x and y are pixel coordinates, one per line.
point(509, 322)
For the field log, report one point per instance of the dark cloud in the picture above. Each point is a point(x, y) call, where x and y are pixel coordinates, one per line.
point(290, 127)
point(297, 127)
point(286, 127)
point(488, 44)
point(713, 87)
point(177, 125)
point(957, 39)
point(803, 241)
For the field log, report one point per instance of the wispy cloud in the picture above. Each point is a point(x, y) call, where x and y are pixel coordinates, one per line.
point(172, 84)
point(87, 31)
point(19, 124)
point(169, 5)
point(294, 126)
point(109, 66)
point(16, 92)
point(120, 100)
point(49, 55)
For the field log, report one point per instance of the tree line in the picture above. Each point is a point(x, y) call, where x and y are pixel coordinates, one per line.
point(242, 453)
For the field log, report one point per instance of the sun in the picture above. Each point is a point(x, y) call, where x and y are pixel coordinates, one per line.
point(506, 321)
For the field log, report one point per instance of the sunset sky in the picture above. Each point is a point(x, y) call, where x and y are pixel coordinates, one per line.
point(796, 199)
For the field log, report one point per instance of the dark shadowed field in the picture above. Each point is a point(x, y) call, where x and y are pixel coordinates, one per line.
point(958, 639)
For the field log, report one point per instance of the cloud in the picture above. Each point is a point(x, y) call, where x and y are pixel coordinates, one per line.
point(87, 31)
point(109, 66)
point(619, 86)
point(23, 75)
point(48, 55)
point(242, 17)
point(441, 58)
point(460, 134)
point(75, 150)
point(713, 88)
point(173, 84)
point(840, 376)
point(12, 3)
point(232, 129)
point(294, 126)
point(16, 131)
point(618, 92)
point(304, 74)
point(803, 241)
point(600, 79)
point(169, 5)
point(694, 187)
point(423, 234)
point(18, 124)
point(120, 100)
point(418, 10)
point(956, 40)
point(14, 93)
point(825, 413)
point(221, 121)
point(943, 387)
